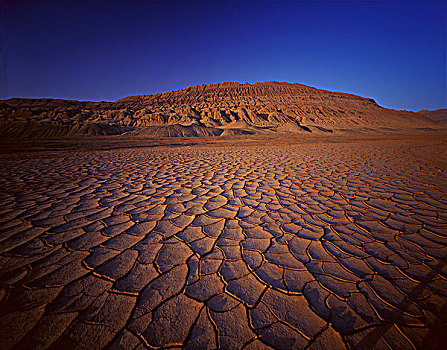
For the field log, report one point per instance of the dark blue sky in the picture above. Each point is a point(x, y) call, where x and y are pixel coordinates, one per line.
point(394, 52)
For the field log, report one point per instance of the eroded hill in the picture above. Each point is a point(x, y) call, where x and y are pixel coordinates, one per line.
point(216, 110)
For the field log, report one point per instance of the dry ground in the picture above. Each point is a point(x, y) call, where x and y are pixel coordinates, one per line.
point(320, 245)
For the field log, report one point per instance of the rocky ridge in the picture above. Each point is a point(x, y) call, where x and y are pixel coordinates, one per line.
point(221, 109)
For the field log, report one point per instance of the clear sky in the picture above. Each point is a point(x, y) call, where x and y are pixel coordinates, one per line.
point(392, 51)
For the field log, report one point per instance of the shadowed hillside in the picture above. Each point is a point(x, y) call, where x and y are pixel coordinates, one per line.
point(438, 115)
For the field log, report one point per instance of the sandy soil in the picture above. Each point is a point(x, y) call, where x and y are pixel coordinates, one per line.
point(314, 245)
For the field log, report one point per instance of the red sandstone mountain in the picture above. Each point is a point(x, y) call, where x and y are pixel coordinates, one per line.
point(225, 109)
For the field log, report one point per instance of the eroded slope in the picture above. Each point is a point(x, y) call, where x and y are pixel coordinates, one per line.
point(225, 109)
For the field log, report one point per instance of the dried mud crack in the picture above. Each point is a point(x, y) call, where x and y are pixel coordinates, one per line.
point(325, 245)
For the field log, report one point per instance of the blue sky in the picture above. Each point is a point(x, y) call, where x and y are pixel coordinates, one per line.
point(392, 51)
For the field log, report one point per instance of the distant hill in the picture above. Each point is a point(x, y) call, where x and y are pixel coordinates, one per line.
point(216, 110)
point(438, 115)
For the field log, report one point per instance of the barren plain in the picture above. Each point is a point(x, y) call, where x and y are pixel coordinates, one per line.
point(316, 245)
point(230, 216)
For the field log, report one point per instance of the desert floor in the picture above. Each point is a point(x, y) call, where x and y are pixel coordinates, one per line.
point(294, 245)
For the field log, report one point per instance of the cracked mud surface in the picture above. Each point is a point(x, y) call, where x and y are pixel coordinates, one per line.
point(303, 246)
